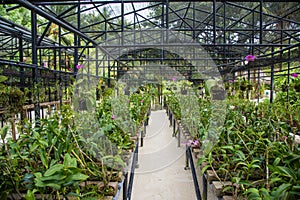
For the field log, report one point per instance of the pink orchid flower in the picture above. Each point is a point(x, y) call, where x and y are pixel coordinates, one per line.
point(79, 66)
point(295, 75)
point(250, 58)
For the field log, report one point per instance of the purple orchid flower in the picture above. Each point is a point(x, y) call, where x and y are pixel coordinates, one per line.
point(250, 57)
point(295, 75)
point(79, 66)
point(192, 143)
point(195, 142)
point(113, 117)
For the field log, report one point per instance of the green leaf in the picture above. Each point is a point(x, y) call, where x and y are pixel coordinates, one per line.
point(228, 147)
point(39, 182)
point(285, 171)
point(241, 163)
point(240, 154)
point(77, 177)
point(276, 161)
point(34, 147)
point(276, 179)
point(54, 185)
point(254, 196)
point(283, 188)
point(265, 193)
point(38, 175)
point(296, 187)
point(255, 166)
point(43, 158)
point(205, 168)
point(4, 132)
point(43, 142)
point(69, 162)
point(30, 194)
point(53, 169)
point(252, 190)
point(3, 78)
point(56, 177)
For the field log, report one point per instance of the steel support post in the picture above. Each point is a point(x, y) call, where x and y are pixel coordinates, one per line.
point(35, 69)
point(272, 78)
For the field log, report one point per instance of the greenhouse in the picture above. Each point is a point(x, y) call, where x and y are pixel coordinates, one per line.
point(149, 100)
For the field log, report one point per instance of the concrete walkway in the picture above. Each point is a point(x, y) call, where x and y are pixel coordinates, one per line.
point(161, 174)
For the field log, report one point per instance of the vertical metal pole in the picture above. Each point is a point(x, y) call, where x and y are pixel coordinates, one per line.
point(214, 21)
point(163, 16)
point(258, 84)
point(76, 41)
point(194, 21)
point(60, 67)
point(248, 78)
point(167, 14)
point(133, 166)
point(125, 186)
point(97, 74)
point(35, 70)
point(21, 59)
point(88, 68)
point(260, 42)
point(261, 22)
point(109, 69)
point(55, 75)
point(204, 187)
point(196, 185)
point(174, 127)
point(187, 167)
point(97, 62)
point(289, 71)
point(252, 50)
point(75, 54)
point(142, 139)
point(272, 77)
point(178, 135)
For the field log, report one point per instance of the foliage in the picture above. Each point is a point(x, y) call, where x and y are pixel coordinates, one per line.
point(256, 152)
point(288, 88)
point(53, 158)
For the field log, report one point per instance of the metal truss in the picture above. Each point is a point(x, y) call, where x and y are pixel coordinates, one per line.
point(226, 30)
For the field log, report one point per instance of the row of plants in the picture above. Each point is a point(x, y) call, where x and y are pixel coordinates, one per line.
point(256, 152)
point(71, 154)
point(256, 149)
